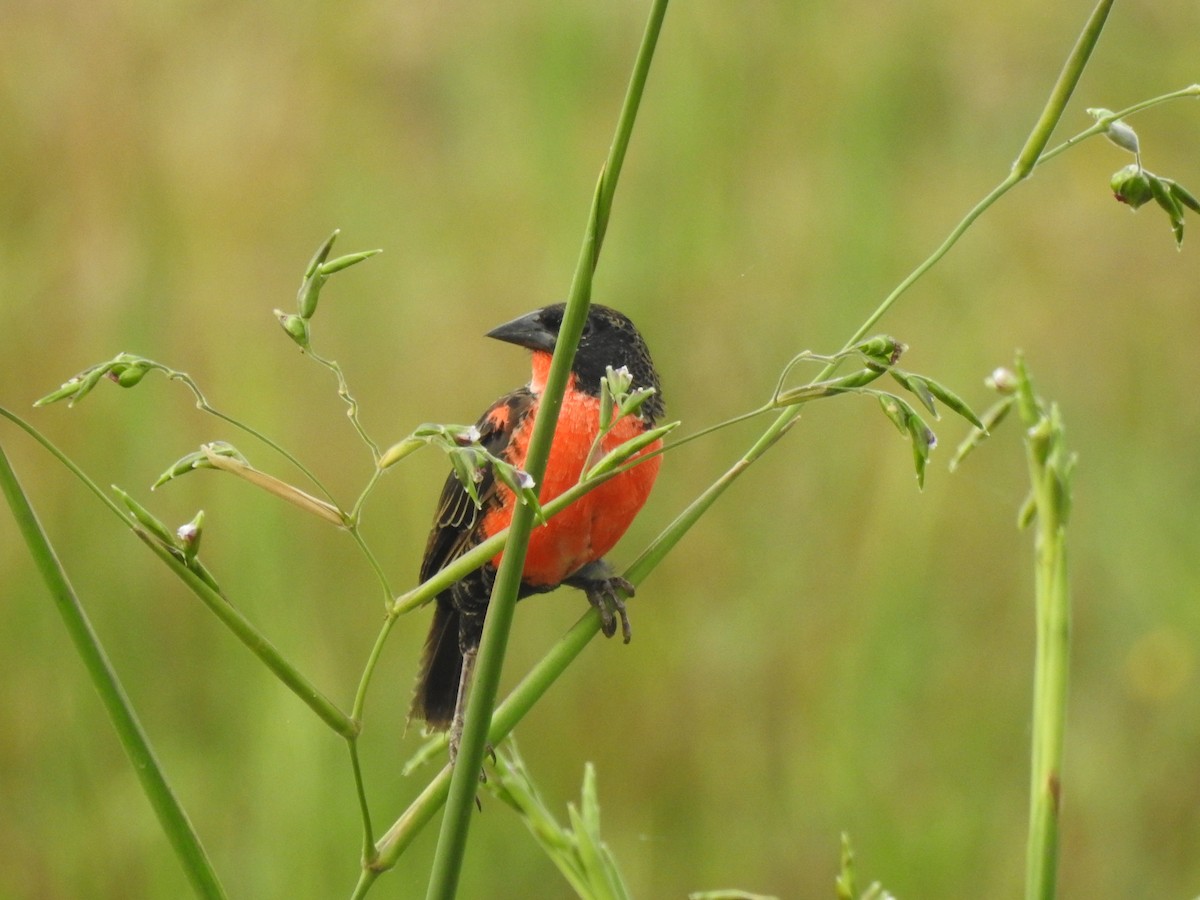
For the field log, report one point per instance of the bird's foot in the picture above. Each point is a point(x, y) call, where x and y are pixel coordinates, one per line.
point(604, 591)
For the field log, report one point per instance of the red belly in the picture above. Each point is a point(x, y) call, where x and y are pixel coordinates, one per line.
point(588, 528)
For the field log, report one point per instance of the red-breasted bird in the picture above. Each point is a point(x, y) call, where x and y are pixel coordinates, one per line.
point(569, 547)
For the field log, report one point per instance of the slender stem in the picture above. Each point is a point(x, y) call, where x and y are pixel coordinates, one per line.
point(1027, 160)
point(951, 239)
point(133, 738)
point(1192, 90)
point(203, 405)
point(368, 847)
point(451, 847)
point(1063, 88)
point(356, 535)
point(351, 403)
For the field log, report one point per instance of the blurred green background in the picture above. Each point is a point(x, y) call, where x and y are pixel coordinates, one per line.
point(828, 650)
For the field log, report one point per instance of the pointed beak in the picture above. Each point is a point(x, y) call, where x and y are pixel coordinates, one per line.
point(526, 331)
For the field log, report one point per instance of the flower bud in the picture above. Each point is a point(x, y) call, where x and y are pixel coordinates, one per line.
point(295, 326)
point(145, 518)
point(1002, 381)
point(464, 436)
point(189, 535)
point(1181, 194)
point(882, 348)
point(345, 262)
point(953, 401)
point(917, 386)
point(1131, 185)
point(516, 480)
point(897, 410)
point(619, 380)
point(129, 376)
point(309, 293)
point(1169, 201)
point(1122, 135)
point(68, 389)
point(398, 451)
point(310, 286)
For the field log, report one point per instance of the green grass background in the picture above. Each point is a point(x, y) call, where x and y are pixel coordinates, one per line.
point(828, 650)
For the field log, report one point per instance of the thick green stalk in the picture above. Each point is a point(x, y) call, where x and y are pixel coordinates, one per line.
point(1049, 708)
point(1050, 469)
point(171, 816)
point(448, 858)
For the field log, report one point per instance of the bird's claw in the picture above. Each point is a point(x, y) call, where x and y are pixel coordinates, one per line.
point(604, 596)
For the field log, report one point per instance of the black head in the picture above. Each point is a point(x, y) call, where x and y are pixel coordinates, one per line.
point(609, 339)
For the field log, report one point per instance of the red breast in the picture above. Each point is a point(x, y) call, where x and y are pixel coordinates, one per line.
point(590, 527)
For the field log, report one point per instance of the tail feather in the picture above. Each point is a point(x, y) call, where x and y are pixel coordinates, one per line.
point(436, 692)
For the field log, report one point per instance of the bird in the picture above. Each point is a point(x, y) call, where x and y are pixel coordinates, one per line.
point(568, 548)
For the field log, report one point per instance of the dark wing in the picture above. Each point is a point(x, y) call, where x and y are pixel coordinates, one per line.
point(454, 526)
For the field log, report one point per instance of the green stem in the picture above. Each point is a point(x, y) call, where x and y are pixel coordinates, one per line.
point(447, 863)
point(364, 809)
point(1192, 90)
point(171, 815)
point(1049, 710)
point(356, 535)
point(203, 405)
point(1050, 472)
point(1063, 88)
point(1027, 160)
point(348, 398)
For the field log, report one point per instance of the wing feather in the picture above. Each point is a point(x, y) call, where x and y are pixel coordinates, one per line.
point(454, 525)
